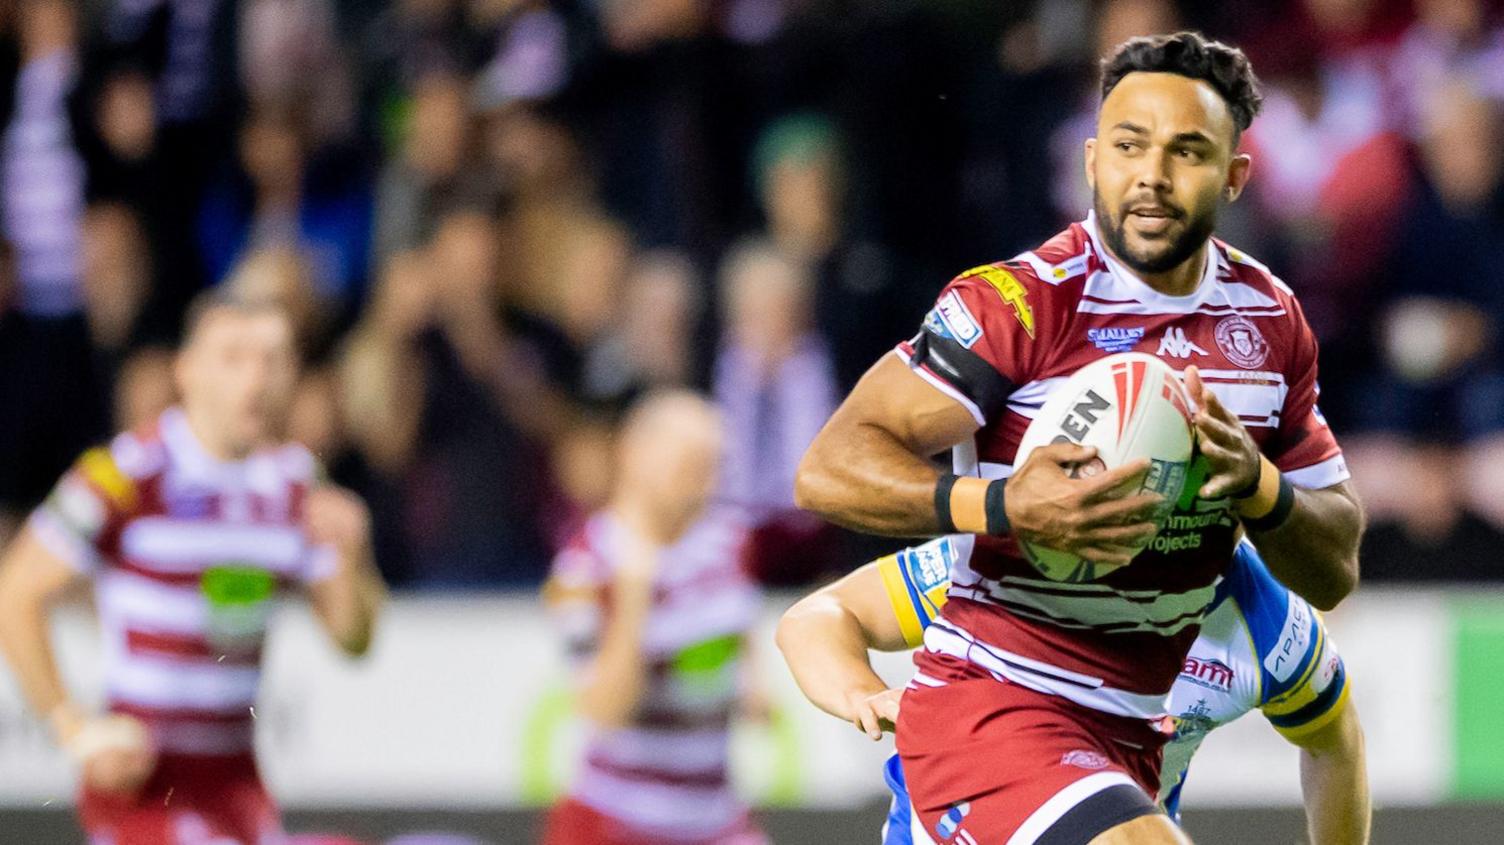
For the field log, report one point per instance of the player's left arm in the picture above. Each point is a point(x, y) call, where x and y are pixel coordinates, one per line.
point(1334, 780)
point(1316, 713)
point(1307, 534)
point(347, 593)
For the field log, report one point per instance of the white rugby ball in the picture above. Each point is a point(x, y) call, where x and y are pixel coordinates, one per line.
point(1129, 406)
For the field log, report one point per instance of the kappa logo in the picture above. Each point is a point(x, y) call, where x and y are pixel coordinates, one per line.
point(1175, 344)
point(1240, 340)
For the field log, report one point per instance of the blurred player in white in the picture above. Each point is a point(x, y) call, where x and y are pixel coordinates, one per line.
point(656, 609)
point(190, 530)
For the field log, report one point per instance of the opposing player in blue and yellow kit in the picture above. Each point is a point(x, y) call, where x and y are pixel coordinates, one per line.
point(1261, 647)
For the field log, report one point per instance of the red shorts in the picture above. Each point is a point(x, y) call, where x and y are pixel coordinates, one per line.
point(986, 760)
point(573, 823)
point(187, 800)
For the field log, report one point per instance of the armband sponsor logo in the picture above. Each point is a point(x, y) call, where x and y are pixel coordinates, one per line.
point(1294, 639)
point(929, 564)
point(1208, 672)
point(1010, 289)
point(956, 318)
point(1115, 339)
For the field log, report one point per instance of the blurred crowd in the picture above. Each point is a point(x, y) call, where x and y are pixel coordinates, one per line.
point(497, 221)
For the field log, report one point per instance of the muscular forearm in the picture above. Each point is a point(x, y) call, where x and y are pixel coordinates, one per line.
point(863, 478)
point(617, 676)
point(1335, 783)
point(1315, 552)
point(827, 654)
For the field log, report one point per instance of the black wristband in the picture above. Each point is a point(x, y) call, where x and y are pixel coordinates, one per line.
point(997, 516)
point(942, 502)
point(1284, 505)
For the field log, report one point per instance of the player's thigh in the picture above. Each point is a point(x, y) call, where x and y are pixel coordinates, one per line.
point(1144, 830)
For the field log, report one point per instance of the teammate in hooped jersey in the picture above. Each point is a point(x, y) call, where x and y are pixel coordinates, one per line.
point(1022, 670)
point(1261, 647)
point(656, 608)
point(189, 530)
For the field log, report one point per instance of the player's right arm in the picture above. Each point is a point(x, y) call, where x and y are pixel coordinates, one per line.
point(884, 605)
point(52, 555)
point(869, 468)
point(824, 638)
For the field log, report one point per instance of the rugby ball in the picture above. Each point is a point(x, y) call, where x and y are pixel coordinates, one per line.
point(1128, 406)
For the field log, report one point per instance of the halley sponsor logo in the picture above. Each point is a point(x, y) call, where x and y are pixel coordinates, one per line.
point(954, 314)
point(1085, 760)
point(1115, 340)
point(1176, 345)
point(1240, 340)
point(1208, 672)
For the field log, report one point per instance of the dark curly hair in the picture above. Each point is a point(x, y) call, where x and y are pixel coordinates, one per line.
point(1192, 55)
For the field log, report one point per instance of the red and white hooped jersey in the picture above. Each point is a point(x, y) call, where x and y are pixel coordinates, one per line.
point(664, 774)
point(188, 555)
point(1002, 337)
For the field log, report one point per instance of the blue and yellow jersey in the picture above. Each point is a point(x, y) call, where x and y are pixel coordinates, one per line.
point(1261, 647)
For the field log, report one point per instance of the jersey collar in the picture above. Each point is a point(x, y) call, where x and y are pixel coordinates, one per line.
point(1124, 279)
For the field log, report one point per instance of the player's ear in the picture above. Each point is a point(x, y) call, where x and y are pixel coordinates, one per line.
point(1238, 171)
point(1091, 163)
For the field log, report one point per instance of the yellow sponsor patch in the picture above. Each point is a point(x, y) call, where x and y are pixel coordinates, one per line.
point(100, 469)
point(1010, 289)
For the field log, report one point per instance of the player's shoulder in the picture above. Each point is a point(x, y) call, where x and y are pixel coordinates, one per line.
point(1285, 630)
point(1242, 268)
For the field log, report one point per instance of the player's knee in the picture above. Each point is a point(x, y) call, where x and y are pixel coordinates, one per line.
point(1145, 830)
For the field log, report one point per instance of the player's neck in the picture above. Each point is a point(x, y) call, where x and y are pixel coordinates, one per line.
point(1180, 280)
point(215, 447)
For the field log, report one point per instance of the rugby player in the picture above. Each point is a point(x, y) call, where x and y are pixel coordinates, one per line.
point(656, 609)
point(190, 530)
point(1026, 678)
point(1261, 647)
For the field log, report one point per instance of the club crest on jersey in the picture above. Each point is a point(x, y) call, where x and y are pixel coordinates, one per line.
point(1115, 340)
point(1208, 672)
point(1010, 289)
point(955, 320)
point(1241, 342)
point(1175, 344)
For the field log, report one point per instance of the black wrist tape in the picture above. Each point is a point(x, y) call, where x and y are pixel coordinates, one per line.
point(997, 517)
point(942, 502)
point(1284, 505)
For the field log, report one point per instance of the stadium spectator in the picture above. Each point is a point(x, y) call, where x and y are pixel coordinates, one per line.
point(286, 194)
point(49, 386)
point(652, 343)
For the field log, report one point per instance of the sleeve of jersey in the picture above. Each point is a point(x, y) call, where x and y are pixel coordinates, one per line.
point(974, 343)
point(1319, 697)
point(85, 508)
point(1305, 449)
point(916, 591)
